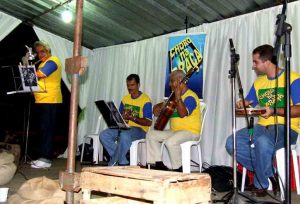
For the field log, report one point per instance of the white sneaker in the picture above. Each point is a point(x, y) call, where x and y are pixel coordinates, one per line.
point(33, 161)
point(38, 164)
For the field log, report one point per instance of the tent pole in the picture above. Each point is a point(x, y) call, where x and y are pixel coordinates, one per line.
point(74, 100)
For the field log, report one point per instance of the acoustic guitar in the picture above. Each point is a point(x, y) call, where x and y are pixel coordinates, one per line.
point(170, 104)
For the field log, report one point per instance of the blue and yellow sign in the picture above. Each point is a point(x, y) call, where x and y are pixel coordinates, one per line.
point(186, 52)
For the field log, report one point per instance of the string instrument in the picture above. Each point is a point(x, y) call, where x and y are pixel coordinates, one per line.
point(250, 111)
point(127, 113)
point(170, 104)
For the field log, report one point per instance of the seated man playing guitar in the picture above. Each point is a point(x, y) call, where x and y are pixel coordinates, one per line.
point(185, 123)
point(136, 110)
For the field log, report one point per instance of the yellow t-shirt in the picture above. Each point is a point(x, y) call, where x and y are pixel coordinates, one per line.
point(49, 87)
point(140, 107)
point(192, 122)
point(263, 93)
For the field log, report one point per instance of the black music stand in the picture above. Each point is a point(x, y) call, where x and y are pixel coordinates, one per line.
point(25, 82)
point(114, 120)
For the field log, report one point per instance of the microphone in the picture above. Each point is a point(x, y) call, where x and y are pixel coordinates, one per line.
point(30, 55)
point(231, 45)
point(234, 57)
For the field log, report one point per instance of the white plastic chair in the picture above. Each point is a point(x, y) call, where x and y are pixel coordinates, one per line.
point(97, 146)
point(138, 149)
point(190, 150)
point(138, 152)
point(280, 161)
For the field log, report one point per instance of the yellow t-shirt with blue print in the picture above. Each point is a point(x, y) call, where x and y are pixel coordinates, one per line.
point(263, 93)
point(140, 107)
point(49, 87)
point(191, 122)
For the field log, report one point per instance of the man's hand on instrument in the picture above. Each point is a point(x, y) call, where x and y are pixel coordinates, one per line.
point(239, 104)
point(177, 90)
point(269, 112)
point(126, 115)
point(157, 108)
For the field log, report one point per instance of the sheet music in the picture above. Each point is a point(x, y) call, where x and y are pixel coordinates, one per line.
point(111, 115)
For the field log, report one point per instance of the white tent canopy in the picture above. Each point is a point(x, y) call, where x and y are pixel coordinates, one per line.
point(109, 67)
point(8, 23)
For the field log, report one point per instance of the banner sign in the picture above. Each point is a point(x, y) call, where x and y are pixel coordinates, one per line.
point(185, 52)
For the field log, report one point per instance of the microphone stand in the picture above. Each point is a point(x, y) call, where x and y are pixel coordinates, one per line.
point(284, 29)
point(233, 72)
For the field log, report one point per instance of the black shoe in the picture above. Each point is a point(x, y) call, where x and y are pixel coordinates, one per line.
point(159, 166)
point(249, 187)
point(258, 192)
point(122, 164)
point(102, 163)
point(178, 170)
point(275, 185)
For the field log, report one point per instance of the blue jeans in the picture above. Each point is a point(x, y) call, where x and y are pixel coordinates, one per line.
point(262, 151)
point(108, 139)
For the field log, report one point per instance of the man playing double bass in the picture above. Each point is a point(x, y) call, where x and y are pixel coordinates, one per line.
point(185, 124)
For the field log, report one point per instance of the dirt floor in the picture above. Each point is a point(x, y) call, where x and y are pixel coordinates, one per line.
point(25, 172)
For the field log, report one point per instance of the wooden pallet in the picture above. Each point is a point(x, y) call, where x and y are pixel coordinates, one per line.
point(137, 185)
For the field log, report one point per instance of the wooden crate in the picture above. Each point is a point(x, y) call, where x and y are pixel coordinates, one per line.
point(148, 185)
point(114, 200)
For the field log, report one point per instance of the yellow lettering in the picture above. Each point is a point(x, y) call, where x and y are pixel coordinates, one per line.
point(198, 56)
point(188, 40)
point(182, 56)
point(181, 45)
point(181, 66)
point(193, 60)
point(188, 65)
point(172, 53)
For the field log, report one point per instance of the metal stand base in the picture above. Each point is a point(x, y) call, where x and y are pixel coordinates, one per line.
point(26, 159)
point(235, 196)
point(116, 155)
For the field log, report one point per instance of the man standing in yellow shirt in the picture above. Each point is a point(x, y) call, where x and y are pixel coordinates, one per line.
point(47, 100)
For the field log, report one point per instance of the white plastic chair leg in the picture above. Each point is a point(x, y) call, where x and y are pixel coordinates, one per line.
point(243, 179)
point(199, 157)
point(186, 158)
point(98, 149)
point(82, 150)
point(296, 170)
point(134, 152)
point(280, 159)
point(100, 152)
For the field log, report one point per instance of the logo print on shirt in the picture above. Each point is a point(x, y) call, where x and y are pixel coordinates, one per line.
point(266, 97)
point(133, 110)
